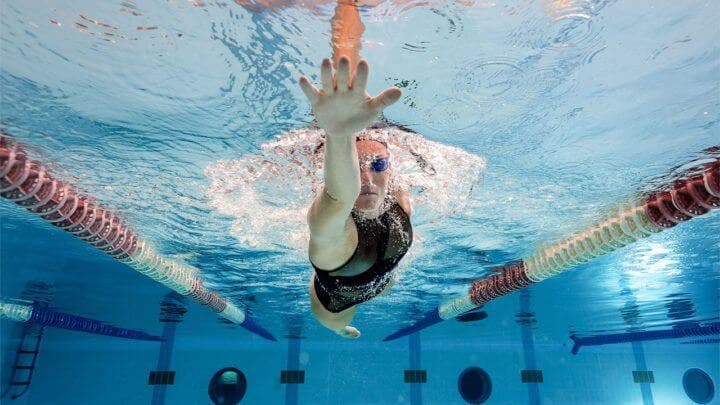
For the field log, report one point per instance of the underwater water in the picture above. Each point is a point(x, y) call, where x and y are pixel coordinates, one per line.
point(537, 118)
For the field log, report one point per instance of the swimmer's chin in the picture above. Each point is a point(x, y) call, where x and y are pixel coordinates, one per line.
point(367, 203)
point(368, 213)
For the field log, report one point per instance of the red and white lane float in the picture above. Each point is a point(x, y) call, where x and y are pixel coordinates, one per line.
point(688, 198)
point(29, 184)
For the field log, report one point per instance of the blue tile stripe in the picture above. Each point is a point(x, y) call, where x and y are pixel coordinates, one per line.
point(528, 344)
point(293, 363)
point(414, 352)
point(164, 360)
point(645, 388)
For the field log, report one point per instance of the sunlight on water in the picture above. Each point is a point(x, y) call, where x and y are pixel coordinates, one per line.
point(652, 271)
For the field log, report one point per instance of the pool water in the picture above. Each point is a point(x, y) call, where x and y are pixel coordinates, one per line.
point(539, 119)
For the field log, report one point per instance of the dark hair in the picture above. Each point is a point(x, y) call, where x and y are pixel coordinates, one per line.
point(381, 123)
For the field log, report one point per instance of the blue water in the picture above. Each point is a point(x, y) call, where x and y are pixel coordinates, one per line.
point(574, 106)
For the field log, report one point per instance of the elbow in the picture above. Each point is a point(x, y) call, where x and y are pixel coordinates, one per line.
point(344, 197)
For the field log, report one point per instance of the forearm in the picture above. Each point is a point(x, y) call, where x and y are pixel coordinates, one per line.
point(342, 172)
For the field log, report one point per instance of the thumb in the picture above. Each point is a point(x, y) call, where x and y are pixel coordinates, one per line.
point(388, 97)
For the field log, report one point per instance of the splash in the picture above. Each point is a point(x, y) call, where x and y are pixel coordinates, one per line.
point(268, 193)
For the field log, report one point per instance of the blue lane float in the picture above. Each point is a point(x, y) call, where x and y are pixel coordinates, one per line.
point(46, 317)
point(252, 326)
point(431, 318)
point(676, 333)
point(702, 342)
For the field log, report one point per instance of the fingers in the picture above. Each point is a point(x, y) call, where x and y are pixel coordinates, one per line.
point(343, 74)
point(361, 76)
point(326, 76)
point(388, 97)
point(311, 92)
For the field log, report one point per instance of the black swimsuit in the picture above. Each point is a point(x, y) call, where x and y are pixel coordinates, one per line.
point(338, 292)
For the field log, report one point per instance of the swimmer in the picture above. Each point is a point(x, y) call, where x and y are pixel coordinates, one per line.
point(359, 227)
point(359, 230)
point(359, 220)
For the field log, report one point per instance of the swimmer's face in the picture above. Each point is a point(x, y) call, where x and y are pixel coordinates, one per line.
point(374, 183)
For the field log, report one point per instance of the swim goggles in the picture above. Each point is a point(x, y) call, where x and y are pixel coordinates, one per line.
point(378, 165)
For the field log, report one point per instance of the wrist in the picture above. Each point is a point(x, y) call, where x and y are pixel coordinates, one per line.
point(338, 133)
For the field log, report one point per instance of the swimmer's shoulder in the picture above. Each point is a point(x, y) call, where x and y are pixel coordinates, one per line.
point(402, 198)
point(330, 252)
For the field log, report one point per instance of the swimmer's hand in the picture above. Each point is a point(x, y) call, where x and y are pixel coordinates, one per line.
point(348, 332)
point(343, 107)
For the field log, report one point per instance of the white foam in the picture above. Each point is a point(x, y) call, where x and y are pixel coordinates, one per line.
point(268, 193)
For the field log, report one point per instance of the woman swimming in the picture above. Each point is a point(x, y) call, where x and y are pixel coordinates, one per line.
point(359, 228)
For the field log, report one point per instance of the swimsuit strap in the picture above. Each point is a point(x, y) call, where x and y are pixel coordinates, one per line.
point(384, 238)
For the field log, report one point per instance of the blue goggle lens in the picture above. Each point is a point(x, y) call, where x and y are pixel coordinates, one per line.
point(380, 164)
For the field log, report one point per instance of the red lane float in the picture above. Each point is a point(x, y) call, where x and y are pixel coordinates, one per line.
point(687, 199)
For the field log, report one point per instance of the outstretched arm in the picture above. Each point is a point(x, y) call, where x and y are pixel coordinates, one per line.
point(341, 108)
